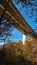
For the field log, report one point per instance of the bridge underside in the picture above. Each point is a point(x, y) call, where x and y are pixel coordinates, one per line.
point(9, 12)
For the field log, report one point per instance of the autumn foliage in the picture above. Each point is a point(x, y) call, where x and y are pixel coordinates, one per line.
point(17, 53)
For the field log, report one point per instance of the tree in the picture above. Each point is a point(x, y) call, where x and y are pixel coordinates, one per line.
point(28, 2)
point(5, 30)
point(31, 6)
point(6, 27)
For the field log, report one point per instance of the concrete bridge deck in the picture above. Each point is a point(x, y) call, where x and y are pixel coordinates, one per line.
point(9, 12)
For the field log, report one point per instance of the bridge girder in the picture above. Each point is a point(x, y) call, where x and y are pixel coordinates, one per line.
point(9, 11)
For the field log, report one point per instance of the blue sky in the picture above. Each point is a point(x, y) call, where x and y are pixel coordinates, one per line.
point(18, 35)
point(26, 12)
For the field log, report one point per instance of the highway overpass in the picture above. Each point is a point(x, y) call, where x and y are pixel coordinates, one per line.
point(9, 12)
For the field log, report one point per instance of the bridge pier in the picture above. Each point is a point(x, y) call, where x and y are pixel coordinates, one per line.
point(24, 39)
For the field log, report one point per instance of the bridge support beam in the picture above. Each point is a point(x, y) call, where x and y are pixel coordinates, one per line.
point(24, 39)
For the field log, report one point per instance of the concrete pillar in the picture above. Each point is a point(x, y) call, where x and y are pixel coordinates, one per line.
point(24, 39)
